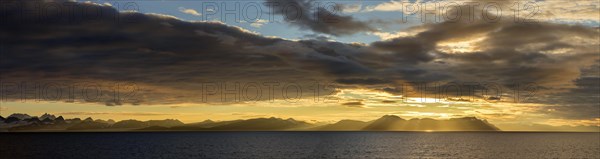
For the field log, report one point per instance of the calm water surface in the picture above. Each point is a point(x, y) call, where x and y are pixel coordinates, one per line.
point(299, 145)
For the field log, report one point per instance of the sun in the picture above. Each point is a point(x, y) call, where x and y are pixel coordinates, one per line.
point(461, 46)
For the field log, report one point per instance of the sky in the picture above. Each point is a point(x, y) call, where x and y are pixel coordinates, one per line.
point(521, 65)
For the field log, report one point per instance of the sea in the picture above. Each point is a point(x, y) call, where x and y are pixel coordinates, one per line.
point(299, 145)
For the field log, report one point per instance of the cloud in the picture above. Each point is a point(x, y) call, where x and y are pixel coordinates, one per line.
point(174, 61)
point(189, 11)
point(258, 23)
point(168, 59)
point(571, 12)
point(387, 6)
point(388, 101)
point(368, 81)
point(504, 51)
point(354, 104)
point(577, 103)
point(318, 18)
point(508, 53)
point(388, 35)
point(545, 10)
point(350, 8)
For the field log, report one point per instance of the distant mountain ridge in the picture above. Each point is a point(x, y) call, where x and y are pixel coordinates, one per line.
point(343, 125)
point(19, 116)
point(256, 124)
point(125, 124)
point(48, 122)
point(395, 123)
point(384, 123)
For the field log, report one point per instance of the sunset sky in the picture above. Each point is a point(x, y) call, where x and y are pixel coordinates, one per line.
point(521, 65)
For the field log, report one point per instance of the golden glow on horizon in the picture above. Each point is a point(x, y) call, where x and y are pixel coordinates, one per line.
point(374, 105)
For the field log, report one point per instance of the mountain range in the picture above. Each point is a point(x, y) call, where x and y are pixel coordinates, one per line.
point(24, 122)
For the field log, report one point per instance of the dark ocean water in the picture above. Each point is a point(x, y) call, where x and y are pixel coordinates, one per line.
point(299, 145)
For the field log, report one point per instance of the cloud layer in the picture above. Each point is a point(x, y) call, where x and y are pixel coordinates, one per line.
point(318, 17)
point(173, 60)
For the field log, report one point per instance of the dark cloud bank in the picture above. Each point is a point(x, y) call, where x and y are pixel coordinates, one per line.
point(318, 17)
point(169, 59)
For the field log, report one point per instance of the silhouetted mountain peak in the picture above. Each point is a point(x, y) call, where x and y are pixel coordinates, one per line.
point(131, 123)
point(88, 119)
point(101, 121)
point(164, 123)
point(384, 123)
point(391, 117)
point(59, 120)
point(345, 121)
point(20, 116)
point(343, 125)
point(388, 123)
point(74, 120)
point(48, 120)
point(47, 116)
point(11, 119)
point(271, 123)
